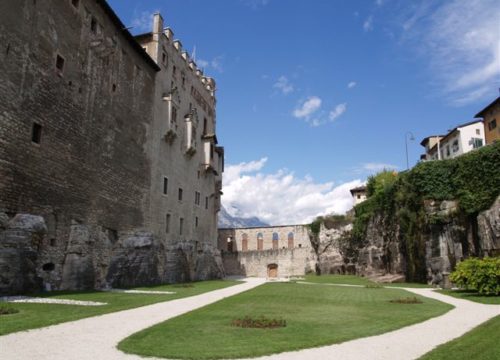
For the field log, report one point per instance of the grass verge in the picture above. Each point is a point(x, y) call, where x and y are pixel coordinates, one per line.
point(472, 296)
point(314, 315)
point(32, 316)
point(481, 343)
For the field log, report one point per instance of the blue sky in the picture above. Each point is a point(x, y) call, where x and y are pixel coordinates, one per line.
point(314, 96)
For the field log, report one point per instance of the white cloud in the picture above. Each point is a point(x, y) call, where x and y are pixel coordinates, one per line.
point(214, 64)
point(379, 2)
point(281, 198)
point(460, 41)
point(308, 107)
point(283, 85)
point(202, 63)
point(368, 24)
point(374, 167)
point(143, 21)
point(255, 4)
point(352, 84)
point(310, 111)
point(339, 110)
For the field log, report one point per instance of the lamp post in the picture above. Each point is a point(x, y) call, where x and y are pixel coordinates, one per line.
point(406, 146)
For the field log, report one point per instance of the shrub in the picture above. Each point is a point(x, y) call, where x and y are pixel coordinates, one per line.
point(481, 275)
point(259, 323)
point(4, 310)
point(407, 300)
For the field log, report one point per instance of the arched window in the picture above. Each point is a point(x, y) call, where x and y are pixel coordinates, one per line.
point(290, 240)
point(275, 240)
point(260, 241)
point(244, 242)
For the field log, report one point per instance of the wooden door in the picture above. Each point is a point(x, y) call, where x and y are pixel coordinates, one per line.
point(272, 271)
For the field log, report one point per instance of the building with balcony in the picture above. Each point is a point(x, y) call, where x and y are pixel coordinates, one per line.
point(460, 140)
point(491, 119)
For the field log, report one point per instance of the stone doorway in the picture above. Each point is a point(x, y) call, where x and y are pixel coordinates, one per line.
point(272, 270)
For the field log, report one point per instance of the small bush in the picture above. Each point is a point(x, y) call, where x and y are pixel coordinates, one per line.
point(4, 310)
point(481, 275)
point(407, 300)
point(259, 323)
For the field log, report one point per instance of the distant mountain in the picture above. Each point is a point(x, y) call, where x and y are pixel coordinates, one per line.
point(228, 221)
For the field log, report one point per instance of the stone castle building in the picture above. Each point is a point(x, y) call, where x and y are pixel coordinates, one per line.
point(110, 172)
point(279, 251)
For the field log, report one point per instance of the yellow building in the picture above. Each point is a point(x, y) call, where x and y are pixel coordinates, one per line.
point(491, 118)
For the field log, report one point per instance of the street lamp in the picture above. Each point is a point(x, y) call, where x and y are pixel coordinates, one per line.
point(406, 146)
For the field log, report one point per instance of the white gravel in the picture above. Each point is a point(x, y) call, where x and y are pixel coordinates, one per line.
point(40, 300)
point(97, 337)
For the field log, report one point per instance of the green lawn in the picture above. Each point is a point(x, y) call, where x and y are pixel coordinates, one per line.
point(472, 296)
point(33, 316)
point(408, 285)
point(357, 280)
point(480, 343)
point(339, 279)
point(315, 315)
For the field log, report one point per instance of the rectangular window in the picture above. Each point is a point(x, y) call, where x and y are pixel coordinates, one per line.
point(167, 223)
point(59, 63)
point(477, 143)
point(196, 221)
point(478, 132)
point(164, 58)
point(181, 225)
point(93, 25)
point(206, 202)
point(36, 133)
point(492, 124)
point(197, 198)
point(180, 194)
point(165, 185)
point(174, 114)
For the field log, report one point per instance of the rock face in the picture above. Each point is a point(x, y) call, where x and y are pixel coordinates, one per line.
point(135, 261)
point(20, 239)
point(489, 229)
point(93, 258)
point(329, 249)
point(381, 255)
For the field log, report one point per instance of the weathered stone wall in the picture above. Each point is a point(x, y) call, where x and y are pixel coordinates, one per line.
point(290, 262)
point(298, 233)
point(292, 250)
point(95, 175)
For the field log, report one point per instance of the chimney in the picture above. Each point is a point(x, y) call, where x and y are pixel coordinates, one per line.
point(157, 25)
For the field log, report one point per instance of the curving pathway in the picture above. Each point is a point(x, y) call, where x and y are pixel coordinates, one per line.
point(96, 338)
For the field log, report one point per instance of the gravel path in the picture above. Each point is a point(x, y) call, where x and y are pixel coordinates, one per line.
point(95, 338)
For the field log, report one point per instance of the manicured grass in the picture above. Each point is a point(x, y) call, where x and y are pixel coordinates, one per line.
point(33, 316)
point(408, 285)
point(358, 280)
point(314, 315)
point(480, 343)
point(472, 296)
point(339, 279)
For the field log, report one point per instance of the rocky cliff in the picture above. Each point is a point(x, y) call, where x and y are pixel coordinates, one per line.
point(94, 258)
